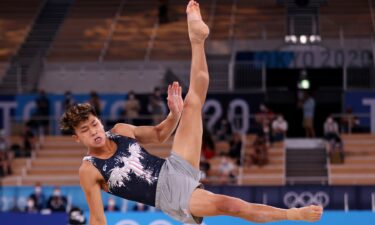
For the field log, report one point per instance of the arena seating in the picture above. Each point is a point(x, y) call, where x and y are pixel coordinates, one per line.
point(341, 14)
point(133, 31)
point(88, 27)
point(16, 17)
point(3, 67)
point(359, 166)
point(259, 19)
point(84, 32)
point(172, 40)
point(270, 174)
point(57, 163)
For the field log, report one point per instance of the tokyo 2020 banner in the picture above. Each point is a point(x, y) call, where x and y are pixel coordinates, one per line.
point(236, 108)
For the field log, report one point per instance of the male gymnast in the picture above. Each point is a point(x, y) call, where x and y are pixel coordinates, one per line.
point(118, 164)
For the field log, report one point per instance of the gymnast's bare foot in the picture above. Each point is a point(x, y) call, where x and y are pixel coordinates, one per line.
point(310, 213)
point(198, 30)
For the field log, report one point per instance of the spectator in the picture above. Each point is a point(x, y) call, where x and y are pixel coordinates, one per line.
point(95, 101)
point(264, 116)
point(308, 114)
point(29, 142)
point(204, 167)
point(57, 202)
point(235, 147)
point(349, 122)
point(68, 100)
point(42, 112)
point(279, 128)
point(132, 108)
point(227, 170)
point(6, 156)
point(31, 207)
point(208, 145)
point(5, 163)
point(156, 106)
point(332, 136)
point(38, 197)
point(76, 217)
point(263, 122)
point(224, 132)
point(331, 129)
point(111, 206)
point(260, 155)
point(3, 141)
point(140, 207)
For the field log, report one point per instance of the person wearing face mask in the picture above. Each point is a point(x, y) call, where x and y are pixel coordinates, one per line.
point(140, 207)
point(38, 197)
point(331, 130)
point(68, 100)
point(156, 106)
point(111, 206)
point(279, 128)
point(132, 108)
point(6, 156)
point(57, 202)
point(31, 206)
point(76, 217)
point(334, 142)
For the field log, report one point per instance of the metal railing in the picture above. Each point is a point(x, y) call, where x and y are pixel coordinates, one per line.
point(352, 124)
point(112, 29)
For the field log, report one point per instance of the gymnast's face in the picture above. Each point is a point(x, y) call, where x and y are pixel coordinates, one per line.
point(91, 133)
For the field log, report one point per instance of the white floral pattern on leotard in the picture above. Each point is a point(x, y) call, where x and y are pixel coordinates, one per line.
point(131, 164)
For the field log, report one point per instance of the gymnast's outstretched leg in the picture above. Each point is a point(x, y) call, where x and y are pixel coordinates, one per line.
point(188, 139)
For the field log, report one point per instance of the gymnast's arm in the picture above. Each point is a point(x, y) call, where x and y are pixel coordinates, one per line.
point(162, 131)
point(89, 181)
point(149, 134)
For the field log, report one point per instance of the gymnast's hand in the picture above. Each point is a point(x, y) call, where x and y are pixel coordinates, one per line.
point(175, 102)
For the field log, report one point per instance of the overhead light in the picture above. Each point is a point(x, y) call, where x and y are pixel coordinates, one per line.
point(291, 38)
point(315, 38)
point(303, 39)
point(305, 84)
point(294, 38)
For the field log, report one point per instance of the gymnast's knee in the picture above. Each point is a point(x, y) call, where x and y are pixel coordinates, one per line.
point(192, 101)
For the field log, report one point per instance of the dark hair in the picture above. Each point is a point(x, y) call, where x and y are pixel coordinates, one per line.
point(74, 115)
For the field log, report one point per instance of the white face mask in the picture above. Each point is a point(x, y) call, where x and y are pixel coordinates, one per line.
point(56, 193)
point(38, 190)
point(111, 202)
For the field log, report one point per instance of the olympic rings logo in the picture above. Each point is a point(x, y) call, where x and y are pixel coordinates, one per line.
point(293, 199)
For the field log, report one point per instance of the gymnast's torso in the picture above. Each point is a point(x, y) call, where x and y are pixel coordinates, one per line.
point(131, 172)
